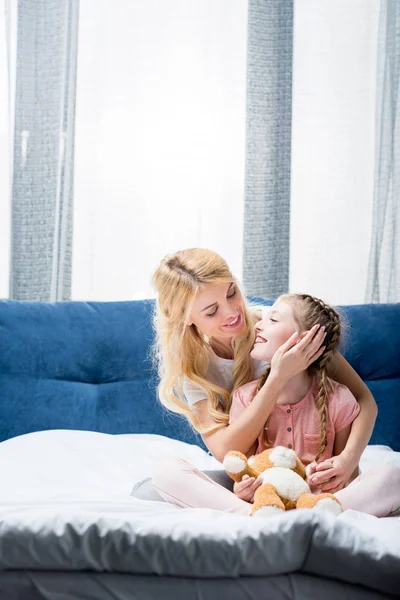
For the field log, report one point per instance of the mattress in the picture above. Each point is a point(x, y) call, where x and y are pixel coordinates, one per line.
point(67, 516)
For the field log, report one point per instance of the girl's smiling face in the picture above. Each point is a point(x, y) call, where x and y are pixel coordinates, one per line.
point(274, 330)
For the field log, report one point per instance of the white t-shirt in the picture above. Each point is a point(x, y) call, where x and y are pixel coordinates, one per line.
point(219, 372)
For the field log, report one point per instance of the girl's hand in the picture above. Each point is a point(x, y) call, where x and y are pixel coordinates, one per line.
point(297, 354)
point(246, 488)
point(331, 475)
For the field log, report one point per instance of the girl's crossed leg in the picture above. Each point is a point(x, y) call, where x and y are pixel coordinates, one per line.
point(376, 492)
point(179, 482)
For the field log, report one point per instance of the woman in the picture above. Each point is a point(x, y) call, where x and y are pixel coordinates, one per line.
point(205, 331)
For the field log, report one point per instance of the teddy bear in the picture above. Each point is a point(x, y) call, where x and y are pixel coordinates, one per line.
point(284, 484)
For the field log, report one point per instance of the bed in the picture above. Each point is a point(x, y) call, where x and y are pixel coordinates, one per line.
point(81, 426)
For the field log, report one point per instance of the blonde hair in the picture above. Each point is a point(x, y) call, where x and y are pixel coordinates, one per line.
point(181, 350)
point(308, 311)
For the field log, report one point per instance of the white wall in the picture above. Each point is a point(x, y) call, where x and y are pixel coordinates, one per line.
point(334, 80)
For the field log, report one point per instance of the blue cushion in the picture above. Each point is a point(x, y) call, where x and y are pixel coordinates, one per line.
point(78, 365)
point(372, 346)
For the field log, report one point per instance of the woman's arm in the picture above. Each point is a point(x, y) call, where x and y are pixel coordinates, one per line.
point(361, 430)
point(341, 439)
point(291, 358)
point(363, 425)
point(242, 433)
point(336, 462)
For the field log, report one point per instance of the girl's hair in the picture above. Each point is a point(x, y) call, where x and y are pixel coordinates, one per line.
point(181, 350)
point(308, 311)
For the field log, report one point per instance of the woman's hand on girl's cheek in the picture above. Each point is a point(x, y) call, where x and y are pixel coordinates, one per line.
point(332, 474)
point(246, 488)
point(295, 356)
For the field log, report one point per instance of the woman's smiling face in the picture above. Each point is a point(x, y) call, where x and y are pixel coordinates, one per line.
point(218, 311)
point(274, 330)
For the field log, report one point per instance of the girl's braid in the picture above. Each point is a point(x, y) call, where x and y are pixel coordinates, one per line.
point(329, 317)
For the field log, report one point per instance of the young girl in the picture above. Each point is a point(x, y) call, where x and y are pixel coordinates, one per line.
point(312, 414)
point(205, 332)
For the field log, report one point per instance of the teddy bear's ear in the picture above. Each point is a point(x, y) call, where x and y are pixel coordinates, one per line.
point(283, 457)
point(235, 463)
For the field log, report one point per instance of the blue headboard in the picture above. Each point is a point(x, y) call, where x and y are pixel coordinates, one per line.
point(88, 365)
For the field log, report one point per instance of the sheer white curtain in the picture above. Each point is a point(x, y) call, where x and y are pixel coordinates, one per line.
point(160, 126)
point(333, 147)
point(160, 141)
point(7, 26)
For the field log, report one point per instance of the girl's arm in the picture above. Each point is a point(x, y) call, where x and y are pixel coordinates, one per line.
point(291, 358)
point(339, 472)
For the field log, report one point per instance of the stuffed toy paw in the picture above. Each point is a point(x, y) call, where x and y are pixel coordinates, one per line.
point(284, 479)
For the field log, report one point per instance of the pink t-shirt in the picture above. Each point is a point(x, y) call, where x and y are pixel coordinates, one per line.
point(297, 425)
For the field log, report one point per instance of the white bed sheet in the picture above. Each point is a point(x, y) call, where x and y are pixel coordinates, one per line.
point(83, 465)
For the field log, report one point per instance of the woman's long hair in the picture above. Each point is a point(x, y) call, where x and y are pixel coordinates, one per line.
point(181, 350)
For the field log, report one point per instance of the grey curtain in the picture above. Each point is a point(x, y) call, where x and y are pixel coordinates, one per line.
point(384, 262)
point(42, 178)
point(268, 147)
